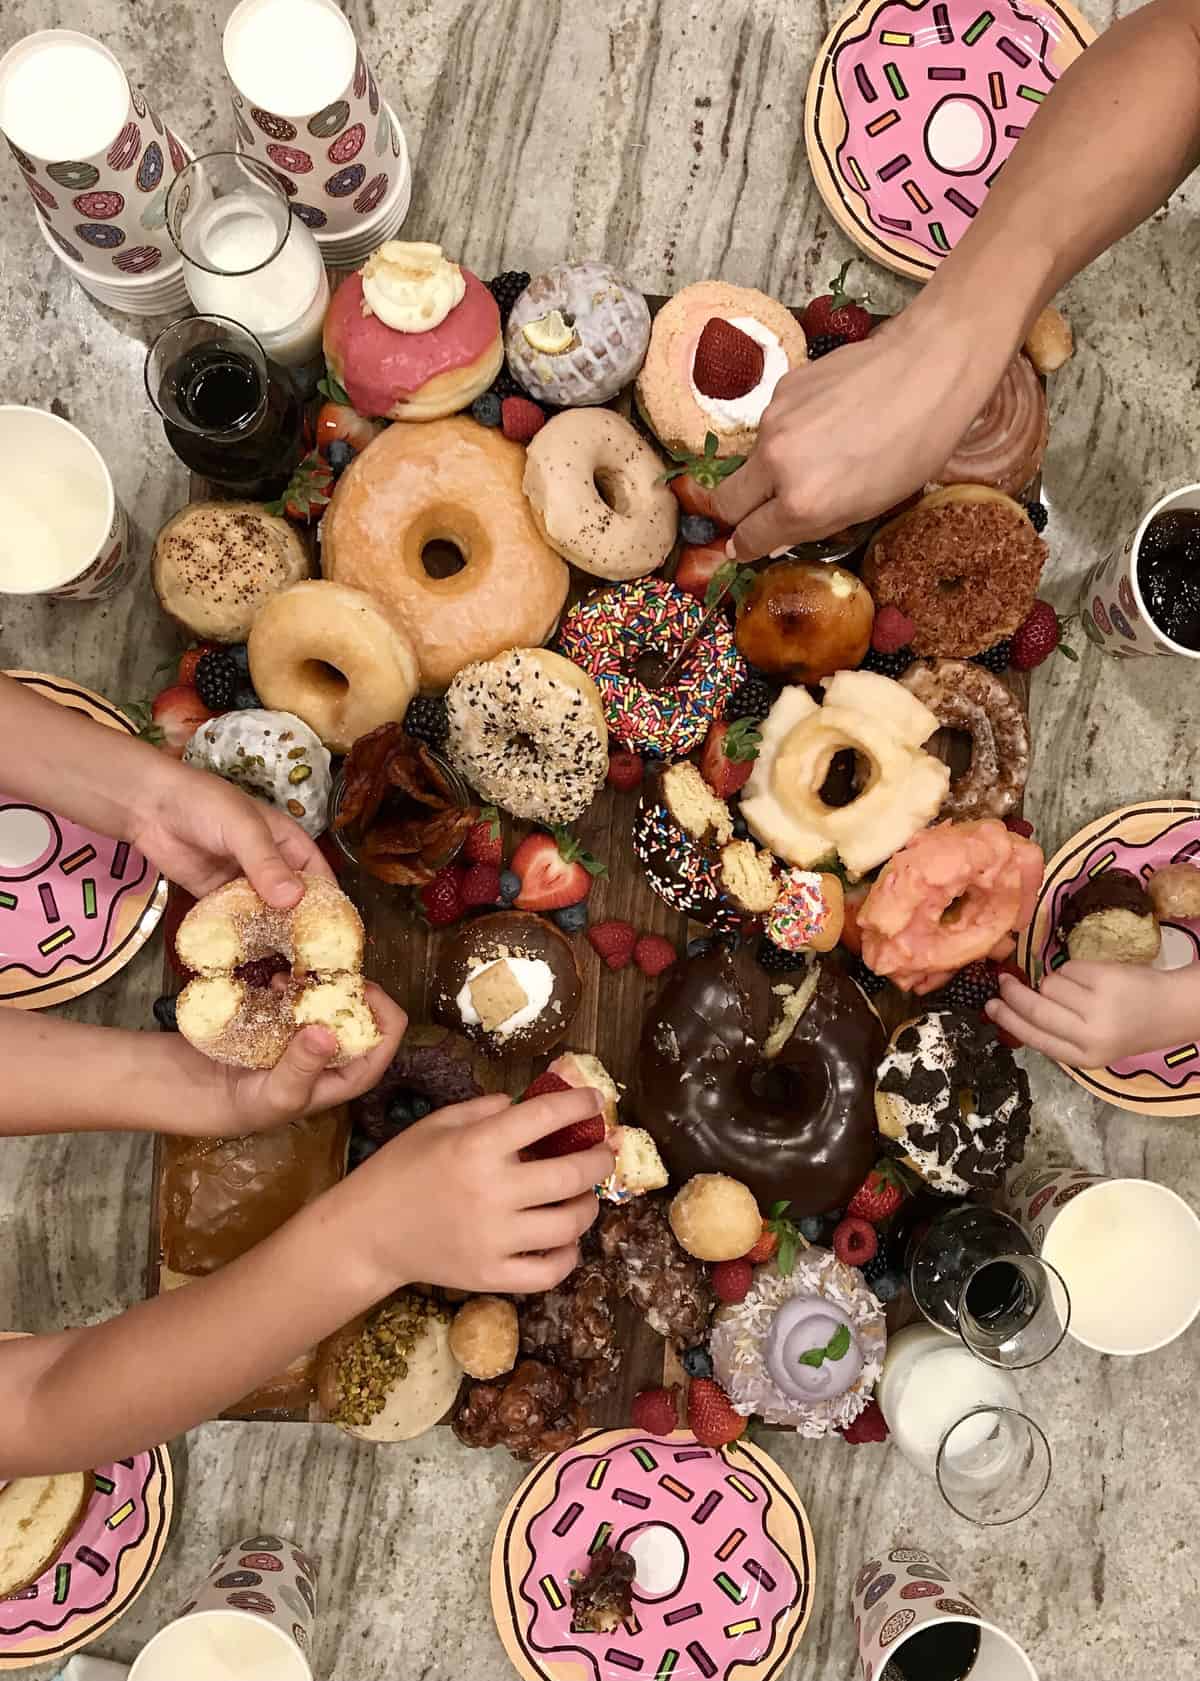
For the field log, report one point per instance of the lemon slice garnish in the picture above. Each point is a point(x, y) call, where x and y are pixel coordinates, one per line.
point(550, 334)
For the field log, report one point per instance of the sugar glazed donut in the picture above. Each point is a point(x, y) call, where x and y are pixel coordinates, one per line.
point(596, 490)
point(224, 1015)
point(333, 657)
point(273, 755)
point(610, 632)
point(1004, 444)
point(449, 483)
point(527, 731)
point(577, 335)
point(965, 697)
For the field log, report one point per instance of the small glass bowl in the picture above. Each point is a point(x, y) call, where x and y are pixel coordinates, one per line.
point(462, 795)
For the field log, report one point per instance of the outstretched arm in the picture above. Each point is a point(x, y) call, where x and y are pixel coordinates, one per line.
point(853, 434)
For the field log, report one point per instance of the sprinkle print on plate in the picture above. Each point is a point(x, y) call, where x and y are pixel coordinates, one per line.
point(75, 906)
point(913, 107)
point(1140, 839)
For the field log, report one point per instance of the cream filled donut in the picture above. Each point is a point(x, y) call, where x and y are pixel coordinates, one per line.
point(527, 731)
point(509, 982)
point(678, 413)
point(418, 491)
point(413, 336)
point(597, 493)
point(332, 656)
point(577, 335)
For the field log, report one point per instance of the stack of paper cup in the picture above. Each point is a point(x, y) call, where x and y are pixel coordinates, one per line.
point(97, 162)
point(306, 104)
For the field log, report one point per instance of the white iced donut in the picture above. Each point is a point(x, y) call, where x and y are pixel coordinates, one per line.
point(272, 755)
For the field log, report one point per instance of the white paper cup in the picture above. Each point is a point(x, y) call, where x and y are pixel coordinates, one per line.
point(900, 1598)
point(162, 293)
point(1128, 1249)
point(64, 533)
point(1111, 609)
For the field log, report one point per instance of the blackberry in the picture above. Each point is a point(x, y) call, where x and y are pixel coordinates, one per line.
point(996, 658)
point(1039, 515)
point(888, 665)
point(823, 344)
point(486, 409)
point(751, 699)
point(775, 960)
point(217, 680)
point(164, 1013)
point(870, 982)
point(506, 288)
point(240, 655)
point(696, 1362)
point(971, 988)
point(427, 721)
point(504, 385)
point(879, 1262)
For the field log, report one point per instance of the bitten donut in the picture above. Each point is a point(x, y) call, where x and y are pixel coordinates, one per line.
point(333, 657)
point(450, 483)
point(610, 632)
point(577, 335)
point(1004, 444)
point(965, 697)
point(527, 731)
point(272, 755)
point(597, 494)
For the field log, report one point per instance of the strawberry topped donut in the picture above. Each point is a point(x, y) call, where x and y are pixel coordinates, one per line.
point(716, 354)
point(413, 336)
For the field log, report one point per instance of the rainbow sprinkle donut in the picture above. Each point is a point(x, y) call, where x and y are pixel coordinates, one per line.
point(610, 632)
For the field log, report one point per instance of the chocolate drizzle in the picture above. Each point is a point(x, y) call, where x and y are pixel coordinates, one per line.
point(1111, 890)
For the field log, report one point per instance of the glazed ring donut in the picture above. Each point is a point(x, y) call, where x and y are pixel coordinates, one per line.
point(527, 731)
point(333, 657)
point(612, 630)
point(450, 482)
point(965, 697)
point(596, 490)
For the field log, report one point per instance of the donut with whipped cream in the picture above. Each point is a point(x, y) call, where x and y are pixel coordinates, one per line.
point(577, 335)
point(508, 982)
point(675, 409)
point(1004, 444)
point(411, 335)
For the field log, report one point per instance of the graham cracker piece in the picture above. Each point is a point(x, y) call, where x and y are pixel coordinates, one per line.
point(497, 994)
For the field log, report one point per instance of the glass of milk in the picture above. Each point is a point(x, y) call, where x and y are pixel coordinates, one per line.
point(246, 257)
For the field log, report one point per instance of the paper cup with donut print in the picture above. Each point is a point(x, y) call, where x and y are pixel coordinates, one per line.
point(64, 532)
point(306, 103)
point(95, 157)
point(1112, 600)
point(912, 1619)
point(253, 1616)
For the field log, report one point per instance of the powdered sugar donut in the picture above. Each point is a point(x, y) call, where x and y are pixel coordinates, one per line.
point(273, 755)
point(607, 329)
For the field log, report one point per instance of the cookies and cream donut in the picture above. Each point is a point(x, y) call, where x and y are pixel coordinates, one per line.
point(450, 483)
point(1004, 444)
point(527, 731)
point(508, 982)
point(955, 1101)
point(677, 412)
point(215, 564)
point(413, 336)
point(577, 335)
point(332, 656)
point(964, 697)
point(272, 755)
point(595, 487)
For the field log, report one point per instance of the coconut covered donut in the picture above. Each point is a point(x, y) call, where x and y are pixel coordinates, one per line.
point(333, 657)
point(963, 696)
point(1004, 444)
point(272, 755)
point(451, 483)
point(577, 335)
point(596, 490)
point(224, 1015)
point(527, 731)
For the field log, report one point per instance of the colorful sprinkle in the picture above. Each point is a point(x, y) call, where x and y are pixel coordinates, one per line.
point(623, 1660)
point(666, 1664)
point(645, 1459)
point(1011, 50)
point(684, 1614)
point(889, 119)
point(896, 38)
point(941, 17)
point(860, 179)
point(701, 1660)
point(918, 197)
point(8, 901)
point(1102, 864)
point(797, 917)
point(680, 1490)
point(960, 201)
point(677, 868)
point(120, 859)
point(729, 1587)
point(895, 81)
point(947, 73)
point(627, 1497)
point(730, 1544)
point(980, 27)
point(62, 1583)
point(996, 89)
point(88, 1555)
point(1024, 91)
point(707, 1507)
point(52, 942)
point(89, 897)
point(77, 860)
point(865, 86)
point(1185, 1053)
point(568, 1518)
point(938, 235)
point(552, 1592)
point(894, 166)
point(763, 1577)
point(750, 1625)
point(117, 1518)
point(600, 1538)
point(739, 1487)
point(599, 1472)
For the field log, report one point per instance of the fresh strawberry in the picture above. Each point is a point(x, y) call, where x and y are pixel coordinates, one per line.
point(728, 755)
point(762, 1251)
point(555, 871)
point(484, 843)
point(694, 478)
point(307, 496)
point(855, 1241)
point(613, 941)
point(698, 565)
point(655, 1410)
point(441, 898)
point(543, 1086)
point(654, 953)
point(1019, 826)
point(891, 631)
point(710, 1415)
point(521, 419)
point(852, 898)
point(175, 716)
point(480, 886)
point(837, 312)
point(731, 1280)
point(179, 904)
point(339, 423)
point(579, 1135)
point(869, 1426)
point(624, 770)
point(728, 363)
point(879, 1195)
point(1038, 637)
point(191, 659)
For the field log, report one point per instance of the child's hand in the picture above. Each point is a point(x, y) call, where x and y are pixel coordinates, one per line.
point(451, 1202)
point(1091, 1014)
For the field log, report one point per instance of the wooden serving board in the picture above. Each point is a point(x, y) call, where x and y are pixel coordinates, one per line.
point(402, 955)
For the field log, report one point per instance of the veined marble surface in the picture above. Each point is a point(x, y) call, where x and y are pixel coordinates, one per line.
point(666, 136)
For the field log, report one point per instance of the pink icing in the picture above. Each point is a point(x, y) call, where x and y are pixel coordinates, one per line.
point(715, 1502)
point(378, 366)
point(948, 98)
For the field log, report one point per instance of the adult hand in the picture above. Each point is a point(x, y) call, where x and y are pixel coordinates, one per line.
point(1088, 1015)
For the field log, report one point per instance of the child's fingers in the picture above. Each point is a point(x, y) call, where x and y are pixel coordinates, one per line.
point(1063, 988)
point(475, 1112)
point(288, 1088)
point(563, 1177)
point(1059, 1050)
point(530, 1275)
point(1039, 1011)
point(526, 1123)
point(543, 1229)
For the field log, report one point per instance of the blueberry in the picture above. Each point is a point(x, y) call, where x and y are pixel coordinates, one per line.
point(695, 528)
point(240, 655)
point(510, 886)
point(339, 455)
point(420, 1107)
point(696, 1362)
point(572, 918)
point(888, 1286)
point(697, 948)
point(812, 1227)
point(164, 1013)
point(246, 699)
point(486, 409)
point(400, 1112)
point(740, 828)
point(361, 1150)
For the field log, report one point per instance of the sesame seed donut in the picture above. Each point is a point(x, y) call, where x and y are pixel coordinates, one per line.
point(597, 494)
point(527, 731)
point(963, 696)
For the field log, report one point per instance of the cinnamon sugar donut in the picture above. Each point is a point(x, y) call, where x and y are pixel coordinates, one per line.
point(1004, 444)
point(965, 697)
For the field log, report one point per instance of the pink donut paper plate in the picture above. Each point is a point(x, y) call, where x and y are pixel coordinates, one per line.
point(1141, 839)
point(913, 107)
point(734, 1554)
point(75, 906)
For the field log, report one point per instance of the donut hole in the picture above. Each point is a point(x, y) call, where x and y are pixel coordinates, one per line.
point(325, 680)
point(650, 668)
point(847, 776)
point(954, 748)
point(610, 488)
point(442, 558)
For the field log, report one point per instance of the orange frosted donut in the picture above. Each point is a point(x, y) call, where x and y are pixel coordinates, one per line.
point(953, 894)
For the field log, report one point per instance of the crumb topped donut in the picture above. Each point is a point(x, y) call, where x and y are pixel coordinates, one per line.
point(509, 982)
point(216, 564)
point(963, 696)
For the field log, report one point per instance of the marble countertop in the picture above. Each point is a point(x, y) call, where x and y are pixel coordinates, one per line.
point(665, 135)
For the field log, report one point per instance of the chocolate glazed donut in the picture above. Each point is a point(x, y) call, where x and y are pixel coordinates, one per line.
point(799, 1125)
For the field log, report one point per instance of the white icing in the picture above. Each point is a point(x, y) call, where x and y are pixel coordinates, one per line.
point(411, 287)
point(536, 980)
point(729, 414)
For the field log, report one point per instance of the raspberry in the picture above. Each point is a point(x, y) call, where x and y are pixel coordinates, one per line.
point(521, 419)
point(217, 680)
point(1039, 515)
point(823, 343)
point(995, 658)
point(654, 953)
point(972, 987)
point(894, 664)
point(892, 630)
point(263, 970)
point(484, 843)
point(426, 720)
point(442, 898)
point(775, 960)
point(655, 1410)
point(870, 982)
point(506, 288)
point(869, 1426)
point(854, 1240)
point(624, 770)
point(731, 1280)
point(613, 941)
point(751, 699)
point(480, 886)
point(1019, 826)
